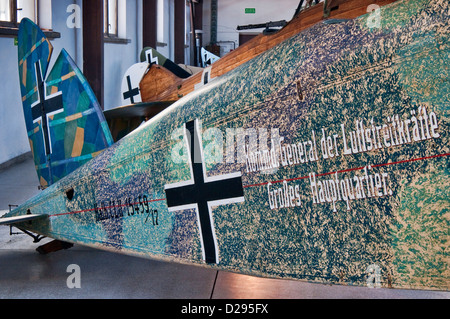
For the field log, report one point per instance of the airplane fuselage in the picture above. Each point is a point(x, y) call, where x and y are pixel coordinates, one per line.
point(307, 162)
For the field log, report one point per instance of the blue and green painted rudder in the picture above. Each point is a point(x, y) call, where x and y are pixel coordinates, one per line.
point(64, 121)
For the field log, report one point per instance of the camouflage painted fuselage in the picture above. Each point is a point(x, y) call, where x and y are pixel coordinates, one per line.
point(325, 159)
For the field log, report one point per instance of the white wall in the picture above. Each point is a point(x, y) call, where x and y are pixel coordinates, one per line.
point(13, 136)
point(231, 13)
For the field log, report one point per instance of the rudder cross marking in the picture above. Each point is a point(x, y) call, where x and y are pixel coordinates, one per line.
point(45, 107)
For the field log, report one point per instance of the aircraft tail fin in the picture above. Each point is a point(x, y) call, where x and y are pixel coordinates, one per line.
point(65, 124)
point(208, 58)
point(152, 56)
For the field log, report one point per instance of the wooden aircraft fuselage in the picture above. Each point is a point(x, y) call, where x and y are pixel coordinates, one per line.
point(322, 159)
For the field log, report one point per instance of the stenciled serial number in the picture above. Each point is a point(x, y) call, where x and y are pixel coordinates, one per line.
point(112, 209)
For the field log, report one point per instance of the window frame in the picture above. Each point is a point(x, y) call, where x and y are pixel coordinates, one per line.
point(11, 28)
point(13, 13)
point(106, 18)
point(112, 37)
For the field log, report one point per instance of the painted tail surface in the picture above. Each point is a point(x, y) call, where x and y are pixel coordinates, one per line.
point(154, 57)
point(208, 58)
point(65, 124)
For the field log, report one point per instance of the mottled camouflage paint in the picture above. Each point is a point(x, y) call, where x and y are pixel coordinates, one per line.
point(346, 72)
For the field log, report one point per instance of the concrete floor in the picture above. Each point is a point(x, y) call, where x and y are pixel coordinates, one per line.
point(26, 274)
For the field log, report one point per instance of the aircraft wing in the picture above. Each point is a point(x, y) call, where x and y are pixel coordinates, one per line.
point(144, 109)
point(124, 119)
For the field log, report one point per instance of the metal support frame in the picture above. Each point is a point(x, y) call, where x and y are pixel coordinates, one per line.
point(36, 238)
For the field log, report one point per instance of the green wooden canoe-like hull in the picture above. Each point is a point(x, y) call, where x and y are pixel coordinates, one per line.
point(324, 159)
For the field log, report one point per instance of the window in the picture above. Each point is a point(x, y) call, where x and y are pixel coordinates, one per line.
point(115, 21)
point(27, 9)
point(13, 11)
point(111, 17)
point(165, 20)
point(8, 9)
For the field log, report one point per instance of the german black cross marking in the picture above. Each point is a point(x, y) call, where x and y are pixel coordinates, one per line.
point(131, 93)
point(45, 107)
point(202, 192)
point(150, 59)
point(207, 62)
